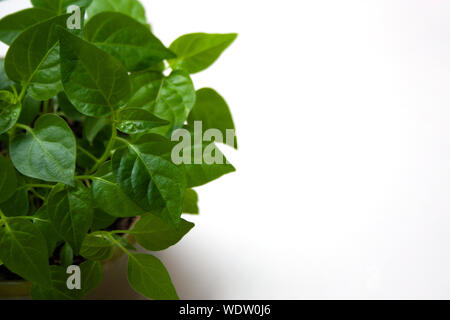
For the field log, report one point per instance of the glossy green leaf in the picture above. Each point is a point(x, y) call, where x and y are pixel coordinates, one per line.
point(110, 198)
point(212, 110)
point(197, 51)
point(60, 6)
point(9, 110)
point(97, 246)
point(47, 152)
point(91, 277)
point(46, 82)
point(134, 121)
point(58, 288)
point(6, 98)
point(170, 98)
point(150, 179)
point(126, 39)
point(17, 204)
point(95, 82)
point(132, 8)
point(9, 115)
point(203, 161)
point(190, 204)
point(155, 234)
point(33, 58)
point(5, 82)
point(14, 24)
point(70, 211)
point(92, 127)
point(8, 179)
point(68, 109)
point(23, 250)
point(148, 276)
point(45, 226)
point(66, 255)
point(30, 110)
point(102, 220)
point(124, 242)
point(200, 174)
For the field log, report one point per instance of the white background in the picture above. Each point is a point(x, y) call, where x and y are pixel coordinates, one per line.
point(343, 173)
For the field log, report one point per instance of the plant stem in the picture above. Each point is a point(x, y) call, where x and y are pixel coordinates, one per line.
point(45, 106)
point(23, 92)
point(29, 218)
point(85, 177)
point(37, 194)
point(3, 220)
point(24, 127)
point(120, 232)
point(117, 243)
point(110, 145)
point(39, 186)
point(125, 141)
point(90, 155)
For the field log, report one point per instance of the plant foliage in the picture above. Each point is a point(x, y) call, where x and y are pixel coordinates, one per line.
point(86, 117)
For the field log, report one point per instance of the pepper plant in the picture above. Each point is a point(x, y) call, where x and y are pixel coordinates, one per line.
point(86, 120)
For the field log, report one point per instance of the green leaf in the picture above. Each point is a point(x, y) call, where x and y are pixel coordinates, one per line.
point(46, 152)
point(14, 24)
point(170, 98)
point(92, 127)
point(155, 234)
point(91, 277)
point(132, 8)
point(124, 242)
point(197, 51)
point(30, 109)
point(200, 174)
point(60, 6)
point(8, 179)
point(57, 290)
point(68, 109)
point(97, 246)
point(5, 83)
point(95, 83)
point(66, 255)
point(102, 220)
point(18, 204)
point(9, 110)
point(145, 174)
point(23, 250)
point(6, 98)
point(148, 276)
point(190, 204)
point(9, 116)
point(44, 225)
point(203, 161)
point(70, 211)
point(109, 196)
point(212, 110)
point(47, 80)
point(33, 58)
point(134, 121)
point(126, 39)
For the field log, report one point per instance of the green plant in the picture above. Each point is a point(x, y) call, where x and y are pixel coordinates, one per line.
point(86, 117)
